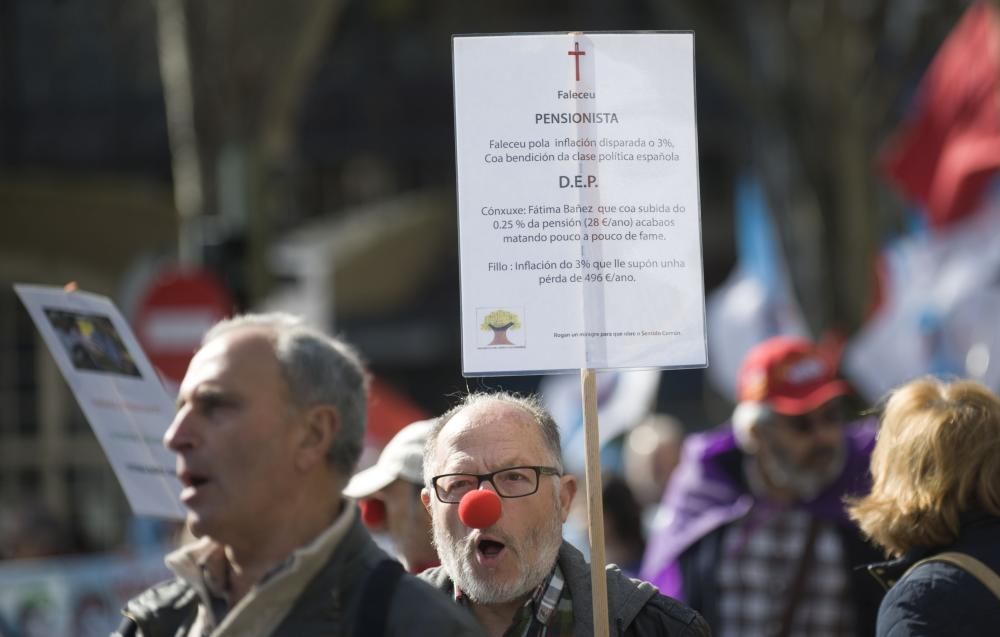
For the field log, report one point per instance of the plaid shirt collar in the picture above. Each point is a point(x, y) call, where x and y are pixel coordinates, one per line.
point(548, 612)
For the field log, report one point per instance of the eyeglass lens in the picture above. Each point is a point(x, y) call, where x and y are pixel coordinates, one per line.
point(508, 483)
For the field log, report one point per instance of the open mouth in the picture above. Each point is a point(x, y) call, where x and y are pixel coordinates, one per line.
point(488, 552)
point(191, 481)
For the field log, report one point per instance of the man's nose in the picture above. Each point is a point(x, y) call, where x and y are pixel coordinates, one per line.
point(830, 432)
point(486, 482)
point(182, 432)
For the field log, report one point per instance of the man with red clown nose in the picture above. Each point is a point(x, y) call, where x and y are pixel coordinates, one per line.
point(498, 498)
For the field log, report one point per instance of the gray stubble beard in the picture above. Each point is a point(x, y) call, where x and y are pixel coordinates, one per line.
point(458, 554)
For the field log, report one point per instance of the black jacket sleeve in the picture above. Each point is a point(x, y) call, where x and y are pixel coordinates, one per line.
point(664, 616)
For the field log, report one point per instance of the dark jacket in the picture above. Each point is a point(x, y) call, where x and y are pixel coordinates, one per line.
point(709, 491)
point(938, 598)
point(328, 604)
point(635, 608)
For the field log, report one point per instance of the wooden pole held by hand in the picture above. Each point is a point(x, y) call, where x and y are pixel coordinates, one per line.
point(595, 503)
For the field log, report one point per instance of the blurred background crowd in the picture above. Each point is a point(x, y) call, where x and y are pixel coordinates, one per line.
point(185, 158)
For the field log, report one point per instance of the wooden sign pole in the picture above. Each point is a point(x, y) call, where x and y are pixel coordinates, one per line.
point(595, 503)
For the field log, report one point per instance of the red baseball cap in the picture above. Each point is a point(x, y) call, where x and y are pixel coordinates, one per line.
point(789, 375)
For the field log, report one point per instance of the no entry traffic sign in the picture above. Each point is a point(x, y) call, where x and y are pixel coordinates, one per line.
point(173, 314)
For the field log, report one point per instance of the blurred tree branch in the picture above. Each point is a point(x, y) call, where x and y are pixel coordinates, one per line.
point(821, 83)
point(234, 74)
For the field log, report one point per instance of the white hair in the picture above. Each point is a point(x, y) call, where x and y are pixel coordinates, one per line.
point(746, 416)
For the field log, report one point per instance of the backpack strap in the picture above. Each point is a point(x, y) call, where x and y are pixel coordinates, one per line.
point(969, 564)
point(376, 598)
point(127, 628)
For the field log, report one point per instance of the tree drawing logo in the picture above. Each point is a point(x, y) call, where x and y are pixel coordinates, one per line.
point(500, 321)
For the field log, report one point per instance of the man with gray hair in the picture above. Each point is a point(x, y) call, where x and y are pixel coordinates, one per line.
point(498, 496)
point(270, 419)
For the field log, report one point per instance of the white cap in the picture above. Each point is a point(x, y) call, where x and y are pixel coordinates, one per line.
point(402, 458)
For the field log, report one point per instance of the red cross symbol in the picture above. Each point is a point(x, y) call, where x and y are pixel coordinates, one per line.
point(576, 55)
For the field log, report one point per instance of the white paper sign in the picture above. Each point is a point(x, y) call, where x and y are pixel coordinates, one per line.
point(578, 202)
point(118, 391)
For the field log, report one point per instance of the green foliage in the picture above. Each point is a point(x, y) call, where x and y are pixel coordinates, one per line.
point(498, 319)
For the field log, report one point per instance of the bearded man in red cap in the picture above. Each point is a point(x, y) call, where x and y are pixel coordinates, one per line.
point(752, 531)
point(498, 497)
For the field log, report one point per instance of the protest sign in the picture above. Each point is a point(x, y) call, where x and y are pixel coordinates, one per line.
point(579, 216)
point(578, 202)
point(117, 389)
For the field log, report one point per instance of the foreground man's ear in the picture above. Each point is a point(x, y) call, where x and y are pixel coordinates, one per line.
point(425, 497)
point(322, 423)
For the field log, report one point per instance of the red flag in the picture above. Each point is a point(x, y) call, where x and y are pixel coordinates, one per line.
point(948, 152)
point(389, 411)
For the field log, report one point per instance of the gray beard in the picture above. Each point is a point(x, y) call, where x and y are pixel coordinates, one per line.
point(535, 557)
point(805, 483)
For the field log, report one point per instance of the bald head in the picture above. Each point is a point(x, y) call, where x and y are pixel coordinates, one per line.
point(489, 411)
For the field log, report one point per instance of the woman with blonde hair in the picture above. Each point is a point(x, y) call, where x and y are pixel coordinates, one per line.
point(936, 495)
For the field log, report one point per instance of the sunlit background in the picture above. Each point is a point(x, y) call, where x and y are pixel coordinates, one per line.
point(301, 154)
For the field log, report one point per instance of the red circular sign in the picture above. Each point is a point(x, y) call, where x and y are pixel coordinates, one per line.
point(174, 313)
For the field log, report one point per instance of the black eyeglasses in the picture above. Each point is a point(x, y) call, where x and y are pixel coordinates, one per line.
point(515, 482)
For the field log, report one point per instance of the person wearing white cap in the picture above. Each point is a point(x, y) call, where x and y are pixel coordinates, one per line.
point(389, 495)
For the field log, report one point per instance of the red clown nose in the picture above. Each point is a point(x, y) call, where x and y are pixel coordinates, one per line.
point(479, 509)
point(372, 512)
